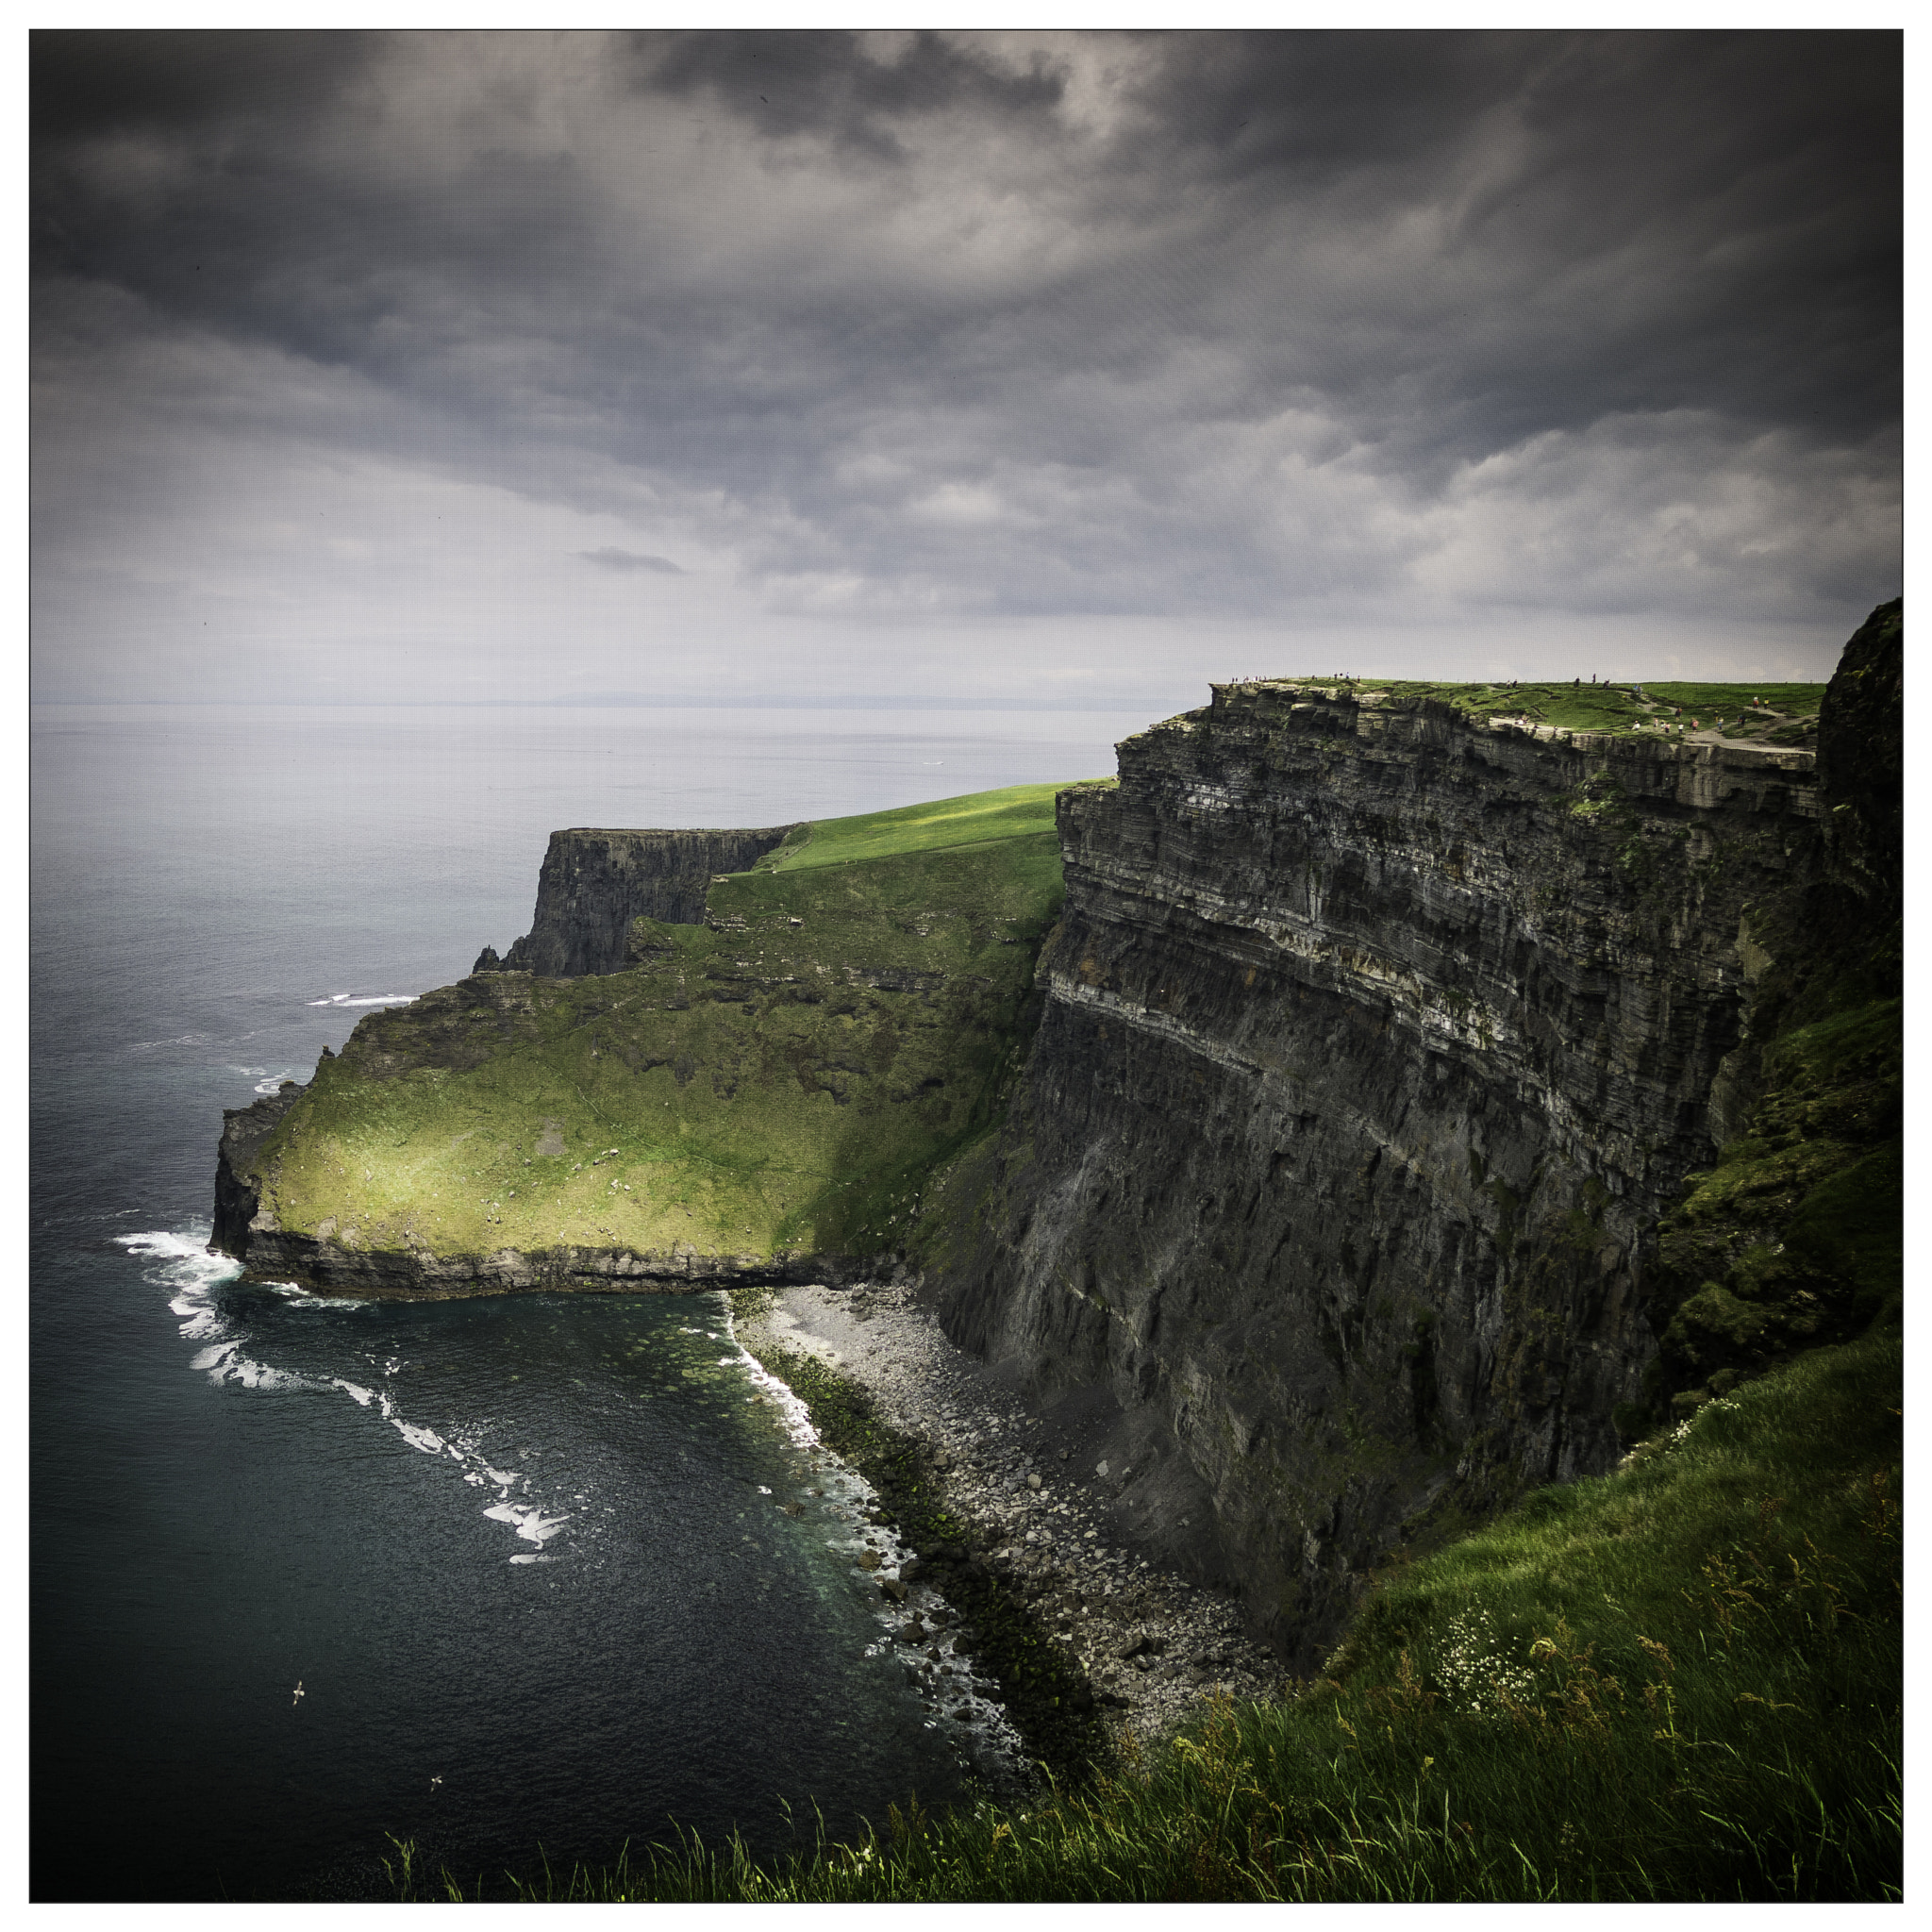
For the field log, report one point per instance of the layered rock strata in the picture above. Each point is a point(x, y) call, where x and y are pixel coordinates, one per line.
point(1374, 1041)
point(593, 884)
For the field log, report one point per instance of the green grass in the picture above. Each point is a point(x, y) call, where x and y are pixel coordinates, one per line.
point(1680, 1681)
point(941, 824)
point(779, 1082)
point(1796, 1236)
point(1789, 717)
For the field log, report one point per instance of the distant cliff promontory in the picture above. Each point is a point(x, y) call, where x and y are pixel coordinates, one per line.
point(594, 885)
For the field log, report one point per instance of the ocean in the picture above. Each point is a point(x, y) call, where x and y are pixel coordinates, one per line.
point(519, 1558)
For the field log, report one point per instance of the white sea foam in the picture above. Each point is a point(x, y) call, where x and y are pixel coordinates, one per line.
point(426, 1440)
point(793, 1417)
point(190, 1264)
point(363, 1396)
point(252, 1374)
point(299, 1297)
point(531, 1523)
point(184, 1264)
point(379, 999)
point(224, 1362)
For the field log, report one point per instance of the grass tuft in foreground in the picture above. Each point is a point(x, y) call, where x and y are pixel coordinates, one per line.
point(1681, 1681)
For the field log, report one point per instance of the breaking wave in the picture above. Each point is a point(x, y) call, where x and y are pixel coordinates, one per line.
point(183, 1265)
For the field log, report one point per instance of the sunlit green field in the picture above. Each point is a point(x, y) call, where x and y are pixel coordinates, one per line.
point(777, 1081)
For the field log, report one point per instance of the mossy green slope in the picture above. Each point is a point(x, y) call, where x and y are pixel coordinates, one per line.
point(775, 1083)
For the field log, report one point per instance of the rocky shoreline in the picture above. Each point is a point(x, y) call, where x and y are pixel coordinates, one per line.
point(1045, 1507)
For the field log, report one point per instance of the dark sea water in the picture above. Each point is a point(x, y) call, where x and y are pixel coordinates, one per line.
point(522, 1555)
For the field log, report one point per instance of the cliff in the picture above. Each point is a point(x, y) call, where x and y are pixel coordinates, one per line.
point(756, 1097)
point(1794, 1237)
point(594, 884)
point(244, 1132)
point(1377, 1039)
point(1424, 1094)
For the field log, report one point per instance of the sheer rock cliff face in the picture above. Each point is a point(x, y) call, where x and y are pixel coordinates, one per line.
point(1375, 1042)
point(244, 1129)
point(593, 884)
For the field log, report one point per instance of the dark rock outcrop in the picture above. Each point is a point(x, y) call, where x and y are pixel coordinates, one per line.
point(1375, 1042)
point(244, 1129)
point(329, 1267)
point(594, 883)
point(1861, 768)
point(1794, 1239)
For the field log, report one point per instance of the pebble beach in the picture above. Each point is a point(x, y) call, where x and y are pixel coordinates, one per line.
point(1046, 1507)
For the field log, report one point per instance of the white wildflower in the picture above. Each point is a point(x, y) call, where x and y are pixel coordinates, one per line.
point(1472, 1670)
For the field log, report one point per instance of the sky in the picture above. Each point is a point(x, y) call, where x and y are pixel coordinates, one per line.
point(972, 368)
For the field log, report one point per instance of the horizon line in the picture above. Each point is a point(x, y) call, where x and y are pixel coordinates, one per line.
point(625, 701)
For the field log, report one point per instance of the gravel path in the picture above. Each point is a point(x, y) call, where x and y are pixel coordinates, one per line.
point(1047, 1506)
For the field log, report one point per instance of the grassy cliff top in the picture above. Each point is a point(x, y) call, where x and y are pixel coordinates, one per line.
point(776, 1081)
point(1785, 714)
point(975, 818)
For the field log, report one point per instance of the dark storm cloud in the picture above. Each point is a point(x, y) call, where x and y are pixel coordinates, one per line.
point(821, 83)
point(899, 325)
point(1671, 221)
point(88, 84)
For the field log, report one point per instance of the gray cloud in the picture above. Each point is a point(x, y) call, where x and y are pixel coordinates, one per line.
point(608, 556)
point(902, 330)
